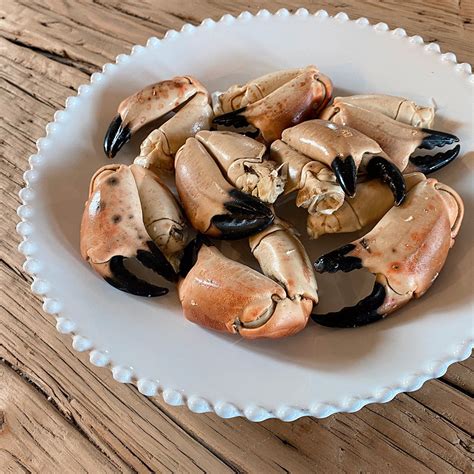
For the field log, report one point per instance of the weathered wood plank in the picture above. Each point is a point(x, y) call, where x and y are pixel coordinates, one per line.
point(461, 376)
point(111, 27)
point(428, 430)
point(35, 437)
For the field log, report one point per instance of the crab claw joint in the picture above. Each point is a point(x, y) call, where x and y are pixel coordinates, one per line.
point(214, 207)
point(406, 251)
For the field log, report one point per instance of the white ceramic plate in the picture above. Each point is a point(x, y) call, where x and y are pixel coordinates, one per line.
point(148, 342)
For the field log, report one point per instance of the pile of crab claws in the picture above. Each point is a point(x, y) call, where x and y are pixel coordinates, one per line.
point(116, 136)
point(247, 216)
point(363, 313)
point(124, 280)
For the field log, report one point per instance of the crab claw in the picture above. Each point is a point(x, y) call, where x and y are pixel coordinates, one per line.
point(242, 160)
point(406, 251)
point(367, 207)
point(315, 183)
point(131, 214)
point(344, 150)
point(213, 206)
point(153, 102)
point(397, 140)
point(292, 102)
point(397, 108)
point(224, 295)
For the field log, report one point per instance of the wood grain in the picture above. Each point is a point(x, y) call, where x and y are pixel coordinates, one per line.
point(57, 411)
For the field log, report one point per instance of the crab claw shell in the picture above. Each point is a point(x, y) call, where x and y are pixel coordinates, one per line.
point(397, 140)
point(159, 147)
point(213, 206)
point(283, 258)
point(368, 206)
point(297, 100)
point(316, 185)
point(397, 108)
point(343, 149)
point(163, 218)
point(242, 160)
point(112, 230)
point(406, 251)
point(227, 296)
point(146, 105)
point(238, 96)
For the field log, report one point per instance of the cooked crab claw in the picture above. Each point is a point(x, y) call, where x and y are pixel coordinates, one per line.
point(406, 251)
point(242, 160)
point(398, 140)
point(367, 207)
point(344, 150)
point(153, 102)
point(284, 99)
point(397, 108)
point(130, 213)
point(213, 206)
point(225, 295)
point(316, 185)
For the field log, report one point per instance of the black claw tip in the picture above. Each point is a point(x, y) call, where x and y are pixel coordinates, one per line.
point(363, 313)
point(190, 254)
point(346, 174)
point(123, 280)
point(379, 167)
point(115, 137)
point(232, 119)
point(247, 216)
point(428, 164)
point(156, 261)
point(337, 261)
point(435, 138)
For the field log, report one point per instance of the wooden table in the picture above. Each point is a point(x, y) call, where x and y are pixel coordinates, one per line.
point(58, 413)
